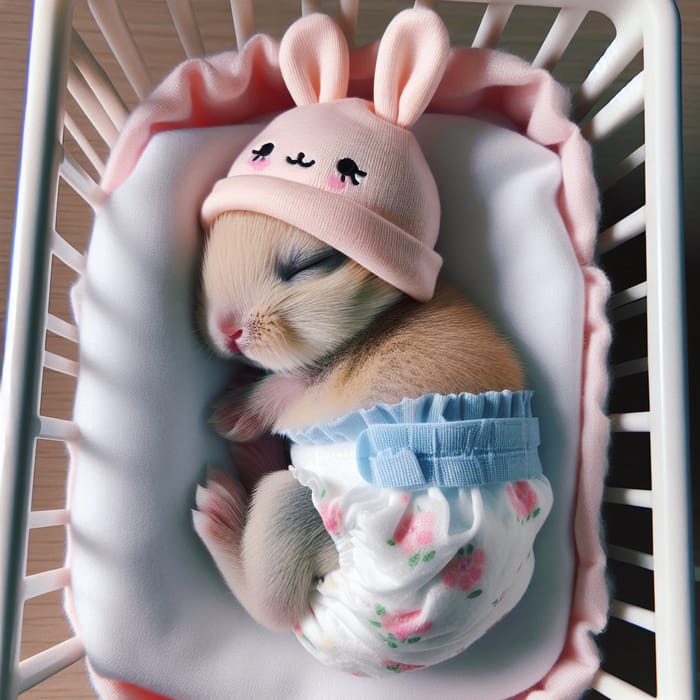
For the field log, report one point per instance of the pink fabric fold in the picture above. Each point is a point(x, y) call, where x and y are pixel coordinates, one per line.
point(228, 88)
point(237, 87)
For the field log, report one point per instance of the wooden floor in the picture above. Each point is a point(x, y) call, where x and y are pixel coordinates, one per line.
point(44, 624)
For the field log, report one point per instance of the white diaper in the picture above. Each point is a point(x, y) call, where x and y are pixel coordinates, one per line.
point(425, 568)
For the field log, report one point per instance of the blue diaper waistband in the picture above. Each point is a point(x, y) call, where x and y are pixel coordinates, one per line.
point(455, 454)
point(455, 440)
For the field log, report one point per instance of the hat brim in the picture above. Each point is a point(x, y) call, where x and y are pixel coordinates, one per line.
point(376, 243)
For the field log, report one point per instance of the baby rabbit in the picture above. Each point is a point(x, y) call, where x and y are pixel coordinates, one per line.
point(319, 269)
point(334, 338)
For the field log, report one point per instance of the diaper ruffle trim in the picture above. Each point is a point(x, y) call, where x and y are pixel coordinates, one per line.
point(429, 408)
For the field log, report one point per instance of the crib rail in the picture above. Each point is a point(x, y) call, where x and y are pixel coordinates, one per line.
point(27, 305)
point(620, 104)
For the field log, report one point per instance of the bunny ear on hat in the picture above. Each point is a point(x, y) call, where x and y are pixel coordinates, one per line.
point(388, 218)
point(315, 60)
point(411, 61)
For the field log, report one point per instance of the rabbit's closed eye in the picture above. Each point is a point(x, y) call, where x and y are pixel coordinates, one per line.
point(323, 261)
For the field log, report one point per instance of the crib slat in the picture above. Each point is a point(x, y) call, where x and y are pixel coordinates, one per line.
point(80, 181)
point(639, 498)
point(85, 146)
point(57, 429)
point(60, 364)
point(113, 26)
point(41, 666)
point(635, 308)
point(638, 422)
point(631, 556)
point(641, 617)
point(66, 253)
point(492, 25)
point(46, 582)
point(91, 106)
point(638, 291)
point(626, 104)
point(624, 167)
point(624, 230)
point(347, 19)
point(186, 26)
point(559, 37)
point(48, 518)
point(309, 6)
point(98, 80)
point(631, 367)
point(608, 67)
point(614, 687)
point(60, 327)
point(243, 20)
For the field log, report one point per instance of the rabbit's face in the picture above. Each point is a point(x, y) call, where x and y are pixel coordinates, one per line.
point(280, 297)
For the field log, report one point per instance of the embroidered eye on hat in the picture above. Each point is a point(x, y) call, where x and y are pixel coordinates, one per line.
point(349, 171)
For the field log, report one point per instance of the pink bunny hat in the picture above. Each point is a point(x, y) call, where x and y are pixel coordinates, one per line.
point(345, 170)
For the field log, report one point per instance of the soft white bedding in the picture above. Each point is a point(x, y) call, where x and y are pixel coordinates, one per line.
point(150, 604)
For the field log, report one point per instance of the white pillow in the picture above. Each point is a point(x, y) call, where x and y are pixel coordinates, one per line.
point(151, 606)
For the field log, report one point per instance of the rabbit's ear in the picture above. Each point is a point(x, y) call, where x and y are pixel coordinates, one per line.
point(411, 60)
point(315, 60)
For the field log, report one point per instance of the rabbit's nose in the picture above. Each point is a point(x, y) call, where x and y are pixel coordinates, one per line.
point(231, 339)
point(232, 333)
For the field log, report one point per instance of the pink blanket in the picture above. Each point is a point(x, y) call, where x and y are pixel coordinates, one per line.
point(237, 87)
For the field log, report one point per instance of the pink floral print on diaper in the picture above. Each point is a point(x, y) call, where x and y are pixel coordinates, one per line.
point(465, 569)
point(414, 534)
point(400, 627)
point(398, 667)
point(332, 515)
point(523, 498)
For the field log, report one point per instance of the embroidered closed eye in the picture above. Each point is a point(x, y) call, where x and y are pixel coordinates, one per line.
point(261, 156)
point(263, 152)
point(347, 167)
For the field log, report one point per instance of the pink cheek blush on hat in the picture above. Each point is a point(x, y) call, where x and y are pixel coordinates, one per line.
point(346, 170)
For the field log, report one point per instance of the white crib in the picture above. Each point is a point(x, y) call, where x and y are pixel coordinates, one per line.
point(621, 60)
